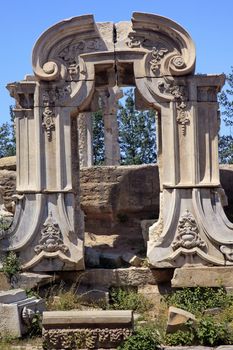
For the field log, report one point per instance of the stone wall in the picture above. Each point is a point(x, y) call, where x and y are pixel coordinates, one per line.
point(115, 200)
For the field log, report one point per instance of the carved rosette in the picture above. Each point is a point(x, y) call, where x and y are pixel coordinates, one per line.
point(85, 338)
point(51, 238)
point(188, 233)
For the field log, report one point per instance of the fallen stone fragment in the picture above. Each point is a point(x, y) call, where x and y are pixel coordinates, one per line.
point(132, 259)
point(177, 319)
point(17, 312)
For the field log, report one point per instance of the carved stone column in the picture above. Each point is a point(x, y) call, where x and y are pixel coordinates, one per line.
point(192, 228)
point(109, 103)
point(85, 137)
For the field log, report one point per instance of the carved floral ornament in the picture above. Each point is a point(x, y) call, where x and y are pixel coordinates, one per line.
point(188, 233)
point(51, 237)
point(62, 44)
point(48, 122)
point(179, 93)
point(85, 337)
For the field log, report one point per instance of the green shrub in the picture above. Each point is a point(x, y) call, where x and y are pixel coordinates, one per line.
point(126, 299)
point(210, 332)
point(180, 338)
point(35, 329)
point(144, 338)
point(5, 224)
point(198, 299)
point(11, 265)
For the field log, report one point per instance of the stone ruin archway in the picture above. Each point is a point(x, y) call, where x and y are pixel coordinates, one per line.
point(70, 61)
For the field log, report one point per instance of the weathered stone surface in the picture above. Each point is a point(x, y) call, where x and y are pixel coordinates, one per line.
point(119, 277)
point(177, 318)
point(91, 318)
point(195, 347)
point(4, 282)
point(94, 295)
point(92, 257)
point(93, 329)
point(108, 197)
point(110, 260)
point(203, 276)
point(17, 311)
point(7, 188)
point(30, 280)
point(145, 225)
point(8, 163)
point(9, 320)
point(132, 259)
point(12, 295)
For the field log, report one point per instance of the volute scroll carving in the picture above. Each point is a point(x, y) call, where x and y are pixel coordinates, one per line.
point(181, 59)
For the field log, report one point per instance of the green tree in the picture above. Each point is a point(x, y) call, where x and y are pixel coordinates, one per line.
point(226, 102)
point(136, 133)
point(7, 137)
point(98, 138)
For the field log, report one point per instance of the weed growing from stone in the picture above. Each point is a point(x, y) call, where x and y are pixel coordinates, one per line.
point(11, 265)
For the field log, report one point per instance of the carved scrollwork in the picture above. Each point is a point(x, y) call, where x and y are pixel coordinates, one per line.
point(227, 251)
point(51, 238)
point(179, 93)
point(157, 56)
point(56, 95)
point(70, 55)
point(188, 233)
point(134, 40)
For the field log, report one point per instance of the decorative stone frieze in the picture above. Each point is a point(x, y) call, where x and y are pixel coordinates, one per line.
point(86, 329)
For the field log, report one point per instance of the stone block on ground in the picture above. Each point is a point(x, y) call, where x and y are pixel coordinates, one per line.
point(90, 329)
point(17, 311)
point(203, 276)
point(177, 319)
point(94, 295)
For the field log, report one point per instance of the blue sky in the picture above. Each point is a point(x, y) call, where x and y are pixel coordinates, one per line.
point(210, 23)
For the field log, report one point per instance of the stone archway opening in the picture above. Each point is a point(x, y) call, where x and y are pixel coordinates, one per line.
point(71, 61)
point(122, 130)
